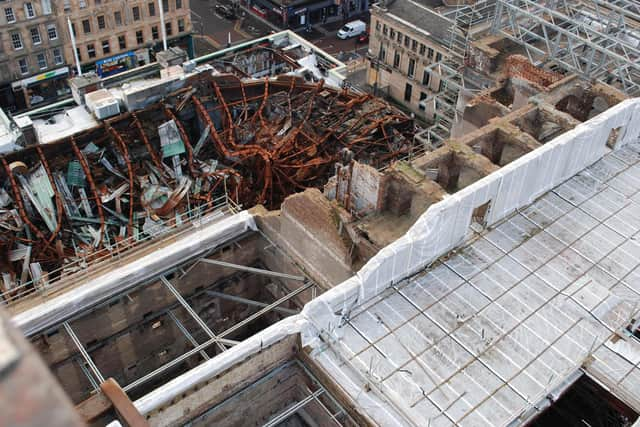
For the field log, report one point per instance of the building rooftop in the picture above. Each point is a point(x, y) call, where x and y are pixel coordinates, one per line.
point(421, 16)
point(484, 279)
point(486, 333)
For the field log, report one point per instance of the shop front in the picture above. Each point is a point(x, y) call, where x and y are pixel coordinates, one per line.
point(41, 88)
point(310, 14)
point(268, 10)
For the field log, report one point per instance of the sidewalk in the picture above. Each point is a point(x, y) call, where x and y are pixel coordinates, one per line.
point(259, 18)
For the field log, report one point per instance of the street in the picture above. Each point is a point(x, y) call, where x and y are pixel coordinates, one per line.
point(214, 30)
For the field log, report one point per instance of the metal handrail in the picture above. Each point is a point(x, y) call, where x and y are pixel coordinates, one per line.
point(116, 250)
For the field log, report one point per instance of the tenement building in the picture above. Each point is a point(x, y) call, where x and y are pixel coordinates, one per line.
point(115, 36)
point(36, 53)
point(406, 39)
point(32, 57)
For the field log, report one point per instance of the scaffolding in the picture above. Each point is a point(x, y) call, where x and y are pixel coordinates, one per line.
point(450, 69)
point(596, 39)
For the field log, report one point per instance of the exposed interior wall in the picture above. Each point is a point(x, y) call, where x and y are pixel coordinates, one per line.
point(544, 122)
point(357, 187)
point(308, 228)
point(478, 114)
point(133, 334)
point(447, 224)
point(584, 101)
point(226, 384)
point(268, 397)
point(407, 194)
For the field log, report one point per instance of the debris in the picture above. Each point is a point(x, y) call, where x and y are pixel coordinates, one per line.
point(137, 174)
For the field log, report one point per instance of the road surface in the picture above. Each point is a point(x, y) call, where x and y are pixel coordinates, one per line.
point(216, 30)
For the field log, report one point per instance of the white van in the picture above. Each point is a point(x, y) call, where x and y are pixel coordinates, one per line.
point(352, 29)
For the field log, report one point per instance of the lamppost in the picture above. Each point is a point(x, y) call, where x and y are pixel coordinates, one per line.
point(375, 61)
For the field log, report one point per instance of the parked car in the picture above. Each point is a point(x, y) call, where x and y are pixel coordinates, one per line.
point(363, 38)
point(352, 29)
point(224, 11)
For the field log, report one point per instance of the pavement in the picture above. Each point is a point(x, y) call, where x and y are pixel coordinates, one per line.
point(212, 30)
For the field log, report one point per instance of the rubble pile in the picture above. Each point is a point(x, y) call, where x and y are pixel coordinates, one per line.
point(217, 140)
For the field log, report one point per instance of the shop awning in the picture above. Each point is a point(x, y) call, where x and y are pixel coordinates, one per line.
point(58, 72)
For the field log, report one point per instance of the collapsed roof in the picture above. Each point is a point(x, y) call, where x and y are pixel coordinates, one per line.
point(217, 139)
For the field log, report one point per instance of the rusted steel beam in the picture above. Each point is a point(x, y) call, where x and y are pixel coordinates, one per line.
point(154, 156)
point(292, 135)
point(221, 100)
point(204, 115)
point(123, 404)
point(292, 86)
point(122, 146)
point(265, 96)
point(237, 151)
point(245, 103)
point(92, 186)
point(354, 125)
point(18, 197)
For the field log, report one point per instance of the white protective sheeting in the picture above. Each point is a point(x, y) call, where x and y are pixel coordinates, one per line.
point(485, 335)
point(204, 236)
point(445, 225)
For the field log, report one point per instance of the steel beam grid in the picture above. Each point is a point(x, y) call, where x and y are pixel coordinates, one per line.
point(216, 338)
point(94, 375)
point(291, 410)
point(254, 270)
point(631, 6)
point(85, 355)
point(562, 33)
point(192, 312)
point(250, 302)
point(186, 333)
point(470, 15)
point(447, 73)
point(605, 11)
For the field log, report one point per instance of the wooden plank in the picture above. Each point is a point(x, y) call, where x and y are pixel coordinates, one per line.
point(123, 404)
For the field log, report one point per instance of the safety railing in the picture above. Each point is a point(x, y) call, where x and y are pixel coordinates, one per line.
point(78, 268)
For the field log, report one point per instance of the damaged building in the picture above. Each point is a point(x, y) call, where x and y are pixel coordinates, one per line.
point(215, 141)
point(242, 233)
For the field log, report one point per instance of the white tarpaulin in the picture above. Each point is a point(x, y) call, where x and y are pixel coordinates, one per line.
point(445, 225)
